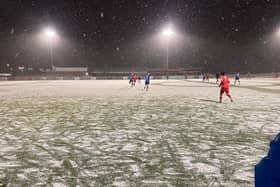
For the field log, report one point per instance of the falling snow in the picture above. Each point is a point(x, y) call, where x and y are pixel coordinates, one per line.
point(140, 22)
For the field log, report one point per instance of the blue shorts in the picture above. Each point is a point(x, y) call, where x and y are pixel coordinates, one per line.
point(147, 83)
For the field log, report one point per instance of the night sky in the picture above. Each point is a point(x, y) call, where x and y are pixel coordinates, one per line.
point(124, 35)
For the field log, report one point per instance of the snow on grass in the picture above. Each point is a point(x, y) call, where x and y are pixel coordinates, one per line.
point(98, 133)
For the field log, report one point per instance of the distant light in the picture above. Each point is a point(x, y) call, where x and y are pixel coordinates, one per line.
point(168, 32)
point(278, 32)
point(50, 32)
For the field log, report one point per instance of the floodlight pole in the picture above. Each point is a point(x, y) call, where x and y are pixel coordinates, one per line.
point(51, 54)
point(51, 35)
point(167, 58)
point(167, 33)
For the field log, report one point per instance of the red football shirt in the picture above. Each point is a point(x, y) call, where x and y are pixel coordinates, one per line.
point(224, 82)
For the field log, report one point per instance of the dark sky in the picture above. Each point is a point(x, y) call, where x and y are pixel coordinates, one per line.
point(230, 35)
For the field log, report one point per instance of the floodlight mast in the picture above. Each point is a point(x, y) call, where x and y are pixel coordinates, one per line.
point(167, 33)
point(50, 34)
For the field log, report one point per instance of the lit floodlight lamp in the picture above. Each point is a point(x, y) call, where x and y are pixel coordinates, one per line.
point(167, 32)
point(51, 33)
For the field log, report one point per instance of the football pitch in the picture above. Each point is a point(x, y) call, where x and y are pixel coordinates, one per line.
point(106, 133)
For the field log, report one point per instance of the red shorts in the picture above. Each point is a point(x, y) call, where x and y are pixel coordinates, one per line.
point(223, 90)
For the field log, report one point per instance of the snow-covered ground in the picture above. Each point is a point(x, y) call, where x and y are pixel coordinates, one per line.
point(97, 133)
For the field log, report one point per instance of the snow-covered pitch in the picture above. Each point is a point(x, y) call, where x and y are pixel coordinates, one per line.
point(97, 133)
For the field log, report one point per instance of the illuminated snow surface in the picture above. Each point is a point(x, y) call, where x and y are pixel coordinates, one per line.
point(97, 133)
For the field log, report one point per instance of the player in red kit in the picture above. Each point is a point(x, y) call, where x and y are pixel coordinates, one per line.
point(134, 79)
point(224, 87)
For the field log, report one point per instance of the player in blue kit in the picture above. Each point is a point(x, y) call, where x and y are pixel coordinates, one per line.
point(236, 78)
point(147, 81)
